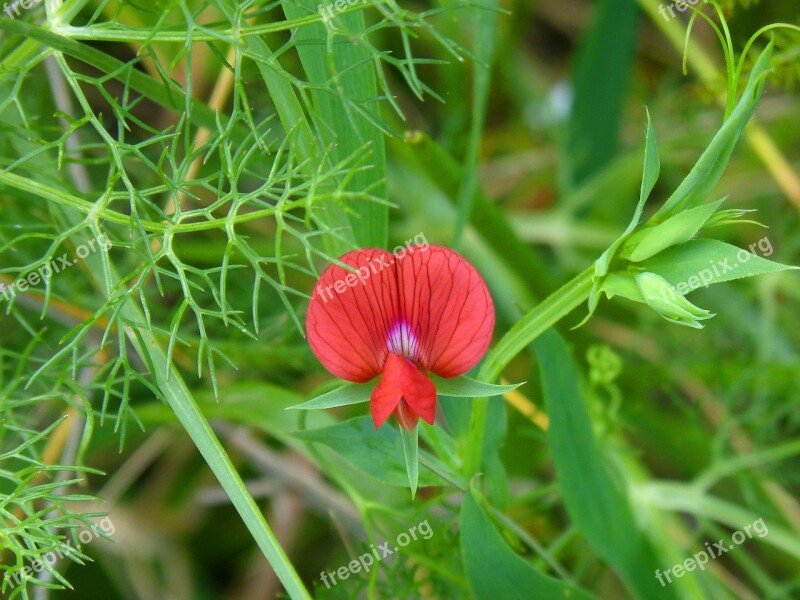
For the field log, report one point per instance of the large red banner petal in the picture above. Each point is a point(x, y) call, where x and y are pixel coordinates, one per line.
point(428, 304)
point(448, 307)
point(350, 314)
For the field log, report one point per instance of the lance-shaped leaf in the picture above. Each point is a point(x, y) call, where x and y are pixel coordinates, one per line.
point(652, 166)
point(598, 506)
point(704, 262)
point(464, 387)
point(494, 570)
point(349, 393)
point(676, 230)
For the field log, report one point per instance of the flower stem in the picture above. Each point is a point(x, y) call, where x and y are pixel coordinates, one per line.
point(545, 315)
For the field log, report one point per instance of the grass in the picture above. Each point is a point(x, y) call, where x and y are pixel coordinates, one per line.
point(229, 151)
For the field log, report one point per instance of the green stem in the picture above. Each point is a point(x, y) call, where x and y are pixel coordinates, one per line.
point(679, 497)
point(545, 315)
point(177, 395)
point(183, 404)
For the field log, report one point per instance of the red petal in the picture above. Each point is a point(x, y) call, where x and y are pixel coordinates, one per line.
point(428, 304)
point(447, 305)
point(349, 315)
point(402, 380)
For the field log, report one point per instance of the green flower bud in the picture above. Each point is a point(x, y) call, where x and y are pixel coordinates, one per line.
point(662, 297)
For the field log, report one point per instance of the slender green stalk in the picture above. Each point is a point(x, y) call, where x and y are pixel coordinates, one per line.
point(107, 34)
point(179, 398)
point(538, 320)
point(680, 497)
point(196, 425)
point(541, 318)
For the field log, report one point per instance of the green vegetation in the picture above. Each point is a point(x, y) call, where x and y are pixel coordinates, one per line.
point(175, 175)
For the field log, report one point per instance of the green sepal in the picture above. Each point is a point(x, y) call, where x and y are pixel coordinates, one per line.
point(465, 387)
point(411, 453)
point(349, 393)
point(678, 229)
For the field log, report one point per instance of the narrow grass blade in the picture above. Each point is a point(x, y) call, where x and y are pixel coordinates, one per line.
point(485, 17)
point(600, 80)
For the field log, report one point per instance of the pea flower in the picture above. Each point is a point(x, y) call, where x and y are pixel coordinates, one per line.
point(424, 310)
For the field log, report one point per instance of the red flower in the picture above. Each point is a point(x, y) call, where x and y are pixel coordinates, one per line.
point(426, 309)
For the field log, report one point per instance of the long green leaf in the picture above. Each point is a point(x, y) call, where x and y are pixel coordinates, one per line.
point(602, 72)
point(197, 427)
point(650, 171)
point(295, 123)
point(347, 121)
point(171, 386)
point(494, 570)
point(598, 507)
point(378, 452)
point(706, 262)
point(464, 387)
point(485, 17)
